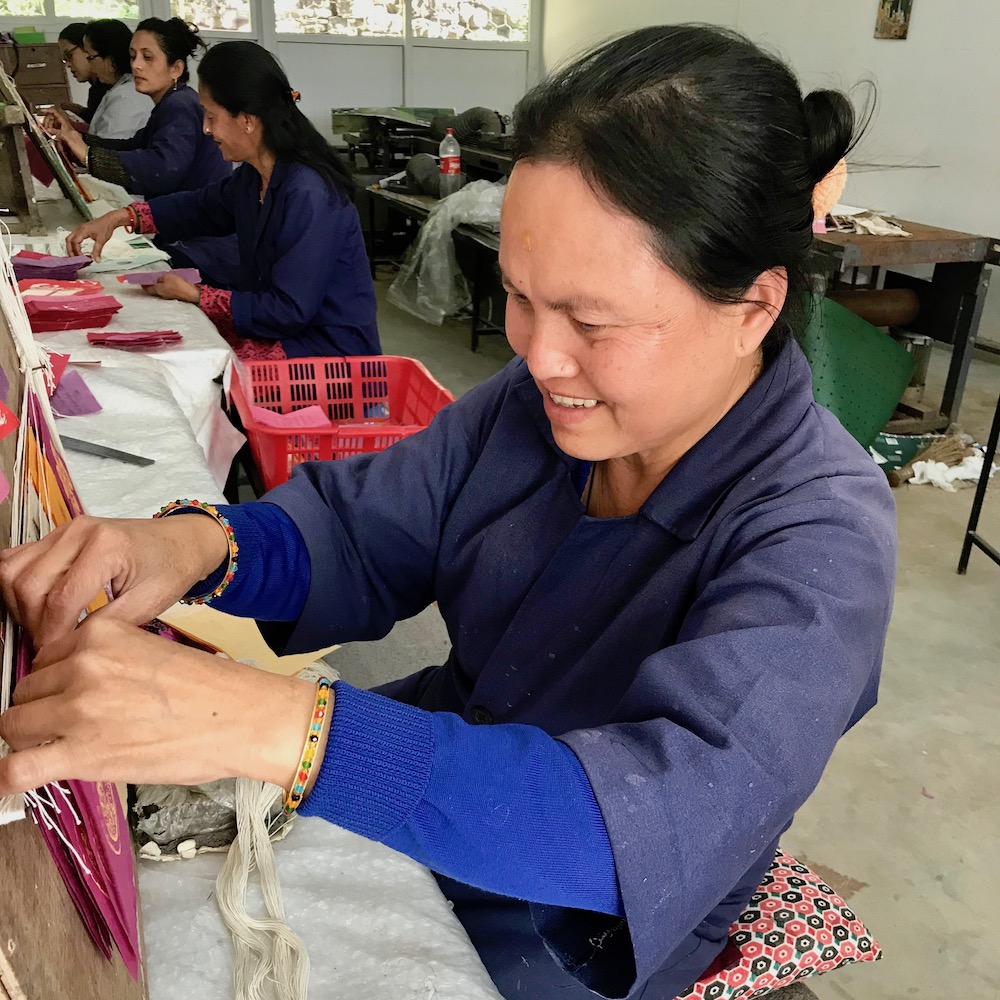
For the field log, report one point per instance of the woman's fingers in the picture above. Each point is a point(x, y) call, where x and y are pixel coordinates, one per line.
point(148, 564)
point(123, 705)
point(32, 768)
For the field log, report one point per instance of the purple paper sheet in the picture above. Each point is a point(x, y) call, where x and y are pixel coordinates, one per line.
point(191, 274)
point(4, 385)
point(72, 398)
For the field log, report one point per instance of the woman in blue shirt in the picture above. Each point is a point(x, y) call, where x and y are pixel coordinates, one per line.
point(170, 153)
point(665, 571)
point(303, 286)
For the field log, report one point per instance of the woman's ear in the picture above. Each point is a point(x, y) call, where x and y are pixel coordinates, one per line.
point(762, 305)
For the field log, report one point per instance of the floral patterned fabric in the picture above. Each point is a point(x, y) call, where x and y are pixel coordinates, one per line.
point(794, 926)
point(147, 226)
point(217, 306)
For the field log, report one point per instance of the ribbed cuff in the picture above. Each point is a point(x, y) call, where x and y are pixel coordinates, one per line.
point(377, 763)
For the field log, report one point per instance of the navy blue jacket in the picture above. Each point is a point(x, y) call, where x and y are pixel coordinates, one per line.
point(701, 658)
point(171, 152)
point(303, 270)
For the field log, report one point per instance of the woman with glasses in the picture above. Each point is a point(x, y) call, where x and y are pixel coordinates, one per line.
point(75, 59)
point(302, 287)
point(169, 152)
point(123, 110)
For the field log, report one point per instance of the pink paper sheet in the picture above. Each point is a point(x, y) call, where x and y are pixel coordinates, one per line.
point(72, 398)
point(191, 274)
point(309, 416)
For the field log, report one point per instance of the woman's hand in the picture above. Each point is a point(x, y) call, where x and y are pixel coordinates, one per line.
point(98, 230)
point(61, 128)
point(172, 286)
point(110, 702)
point(56, 123)
point(149, 565)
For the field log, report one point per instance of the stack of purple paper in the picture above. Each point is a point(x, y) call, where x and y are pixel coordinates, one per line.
point(31, 264)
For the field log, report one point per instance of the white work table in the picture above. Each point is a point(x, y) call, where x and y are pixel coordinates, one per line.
point(163, 405)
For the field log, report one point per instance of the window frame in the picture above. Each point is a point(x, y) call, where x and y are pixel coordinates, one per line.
point(263, 30)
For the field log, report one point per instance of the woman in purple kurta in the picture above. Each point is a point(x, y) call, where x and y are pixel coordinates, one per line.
point(666, 573)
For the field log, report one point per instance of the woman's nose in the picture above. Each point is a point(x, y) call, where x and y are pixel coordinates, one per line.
point(551, 348)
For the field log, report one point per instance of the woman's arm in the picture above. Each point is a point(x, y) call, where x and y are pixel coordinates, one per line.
point(153, 162)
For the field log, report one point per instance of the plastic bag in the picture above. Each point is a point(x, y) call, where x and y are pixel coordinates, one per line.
point(430, 285)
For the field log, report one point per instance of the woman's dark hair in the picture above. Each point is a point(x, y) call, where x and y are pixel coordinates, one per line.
point(178, 40)
point(245, 78)
point(73, 33)
point(111, 38)
point(705, 138)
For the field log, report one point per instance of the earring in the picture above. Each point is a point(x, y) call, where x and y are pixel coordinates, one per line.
point(175, 84)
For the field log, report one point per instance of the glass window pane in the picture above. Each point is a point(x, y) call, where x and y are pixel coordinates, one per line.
point(368, 18)
point(22, 8)
point(214, 15)
point(486, 21)
point(88, 10)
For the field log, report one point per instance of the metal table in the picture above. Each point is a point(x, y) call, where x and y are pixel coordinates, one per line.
point(951, 301)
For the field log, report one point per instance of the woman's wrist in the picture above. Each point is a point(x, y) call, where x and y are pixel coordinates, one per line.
point(284, 708)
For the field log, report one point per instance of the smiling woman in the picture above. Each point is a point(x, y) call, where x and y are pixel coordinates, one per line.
point(665, 571)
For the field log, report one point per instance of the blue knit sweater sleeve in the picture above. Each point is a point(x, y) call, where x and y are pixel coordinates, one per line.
point(505, 808)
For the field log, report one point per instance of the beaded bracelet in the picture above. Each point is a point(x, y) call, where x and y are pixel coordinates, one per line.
point(234, 549)
point(293, 797)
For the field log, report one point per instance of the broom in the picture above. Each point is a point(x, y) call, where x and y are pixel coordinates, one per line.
point(950, 450)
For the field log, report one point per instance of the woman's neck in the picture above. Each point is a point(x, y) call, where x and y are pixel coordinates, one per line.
point(160, 94)
point(263, 162)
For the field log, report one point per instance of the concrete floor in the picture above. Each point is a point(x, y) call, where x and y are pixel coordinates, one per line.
point(904, 823)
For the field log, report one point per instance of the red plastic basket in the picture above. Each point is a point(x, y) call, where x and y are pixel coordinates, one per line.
point(373, 402)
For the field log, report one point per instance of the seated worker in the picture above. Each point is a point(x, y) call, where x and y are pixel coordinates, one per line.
point(123, 110)
point(170, 153)
point(304, 287)
point(665, 571)
point(75, 60)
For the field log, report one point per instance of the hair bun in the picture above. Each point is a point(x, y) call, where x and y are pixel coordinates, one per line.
point(830, 120)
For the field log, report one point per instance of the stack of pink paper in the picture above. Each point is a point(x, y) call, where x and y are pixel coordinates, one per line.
point(139, 340)
point(31, 264)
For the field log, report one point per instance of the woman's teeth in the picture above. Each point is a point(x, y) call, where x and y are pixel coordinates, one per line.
point(586, 404)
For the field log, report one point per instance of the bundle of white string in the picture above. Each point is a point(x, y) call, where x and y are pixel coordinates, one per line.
point(271, 960)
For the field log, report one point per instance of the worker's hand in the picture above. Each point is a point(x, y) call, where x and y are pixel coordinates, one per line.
point(56, 123)
point(110, 702)
point(172, 286)
point(149, 565)
point(98, 230)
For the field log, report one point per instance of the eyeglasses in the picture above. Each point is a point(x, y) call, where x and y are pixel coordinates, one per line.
point(66, 60)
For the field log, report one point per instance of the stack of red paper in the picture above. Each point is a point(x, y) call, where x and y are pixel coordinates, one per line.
point(66, 305)
point(140, 340)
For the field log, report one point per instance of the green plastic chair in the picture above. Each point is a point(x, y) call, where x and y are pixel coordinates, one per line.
point(859, 372)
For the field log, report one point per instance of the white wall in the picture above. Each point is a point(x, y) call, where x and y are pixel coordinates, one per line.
point(573, 25)
point(939, 92)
